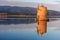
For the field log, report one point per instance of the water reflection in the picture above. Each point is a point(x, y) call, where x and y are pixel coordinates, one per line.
point(27, 31)
point(42, 27)
point(17, 21)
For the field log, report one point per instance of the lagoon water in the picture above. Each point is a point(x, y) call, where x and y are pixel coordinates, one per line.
point(28, 31)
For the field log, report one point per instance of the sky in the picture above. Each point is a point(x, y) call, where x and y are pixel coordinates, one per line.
point(39, 1)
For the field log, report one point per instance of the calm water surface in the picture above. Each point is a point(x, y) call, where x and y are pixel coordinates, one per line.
point(28, 31)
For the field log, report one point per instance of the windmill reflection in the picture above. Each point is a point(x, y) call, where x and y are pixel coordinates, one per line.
point(42, 27)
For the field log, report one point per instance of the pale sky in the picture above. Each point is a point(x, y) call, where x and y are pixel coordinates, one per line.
point(38, 1)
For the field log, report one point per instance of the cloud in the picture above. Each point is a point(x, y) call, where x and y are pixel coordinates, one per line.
point(12, 0)
point(58, 2)
point(38, 1)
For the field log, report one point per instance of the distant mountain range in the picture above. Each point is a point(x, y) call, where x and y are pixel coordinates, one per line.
point(29, 10)
point(16, 9)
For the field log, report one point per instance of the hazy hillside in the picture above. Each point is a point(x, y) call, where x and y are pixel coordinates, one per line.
point(26, 10)
point(53, 12)
point(16, 9)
